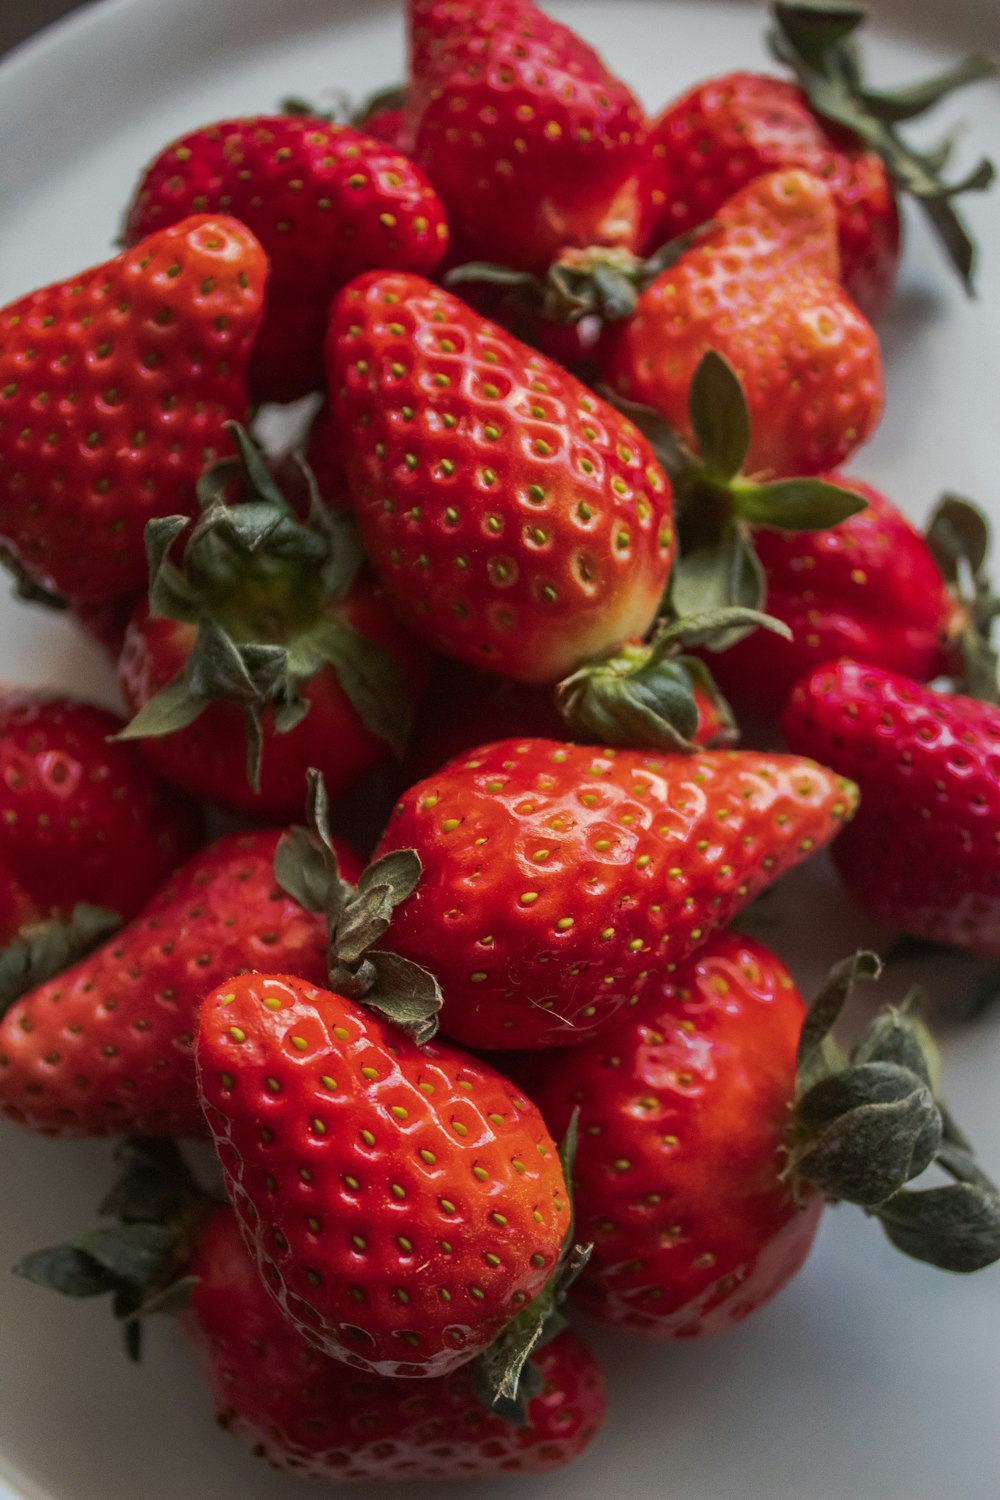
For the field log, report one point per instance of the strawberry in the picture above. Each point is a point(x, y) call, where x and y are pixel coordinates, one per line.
point(81, 819)
point(115, 387)
point(404, 1203)
point(265, 646)
point(760, 289)
point(106, 1047)
point(532, 143)
point(294, 1406)
point(325, 202)
point(725, 132)
point(923, 854)
point(711, 1124)
point(869, 588)
point(557, 880)
point(519, 522)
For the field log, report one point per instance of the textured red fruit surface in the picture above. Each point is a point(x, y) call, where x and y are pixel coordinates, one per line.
point(532, 143)
point(107, 1047)
point(558, 880)
point(728, 131)
point(114, 390)
point(683, 1114)
point(403, 1202)
point(325, 202)
point(208, 757)
point(520, 522)
point(924, 853)
point(313, 1416)
point(760, 288)
point(868, 589)
point(80, 819)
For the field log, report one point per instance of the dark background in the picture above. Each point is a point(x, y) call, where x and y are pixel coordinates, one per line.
point(19, 19)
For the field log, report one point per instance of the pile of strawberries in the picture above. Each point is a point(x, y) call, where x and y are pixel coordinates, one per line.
point(520, 1063)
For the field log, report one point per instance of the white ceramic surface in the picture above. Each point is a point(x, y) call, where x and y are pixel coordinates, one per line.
point(871, 1378)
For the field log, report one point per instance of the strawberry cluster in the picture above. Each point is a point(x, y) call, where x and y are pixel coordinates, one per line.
point(581, 386)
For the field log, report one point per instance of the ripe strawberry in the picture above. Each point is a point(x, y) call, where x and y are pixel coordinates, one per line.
point(760, 289)
point(404, 1203)
point(80, 819)
point(295, 1407)
point(106, 1047)
point(115, 387)
point(519, 522)
point(924, 854)
point(723, 133)
point(558, 880)
point(710, 1126)
point(266, 647)
point(869, 588)
point(532, 143)
point(325, 202)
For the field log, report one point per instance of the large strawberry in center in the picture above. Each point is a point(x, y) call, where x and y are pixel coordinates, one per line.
point(520, 522)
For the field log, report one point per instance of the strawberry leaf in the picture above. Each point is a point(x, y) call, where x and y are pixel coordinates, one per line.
point(720, 417)
point(371, 677)
point(956, 1228)
point(722, 574)
point(795, 504)
point(47, 948)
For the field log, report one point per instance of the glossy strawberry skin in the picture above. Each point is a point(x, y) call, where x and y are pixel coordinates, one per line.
point(114, 390)
point(868, 589)
point(518, 522)
point(207, 758)
point(923, 853)
point(557, 880)
point(325, 202)
point(721, 135)
point(106, 1047)
point(313, 1416)
point(80, 819)
point(532, 143)
point(683, 1114)
point(403, 1202)
point(761, 289)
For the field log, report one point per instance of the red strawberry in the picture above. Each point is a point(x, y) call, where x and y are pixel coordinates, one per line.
point(80, 819)
point(295, 1407)
point(760, 289)
point(558, 880)
point(106, 1047)
point(696, 1161)
point(325, 202)
point(268, 648)
point(532, 143)
point(520, 523)
point(404, 1203)
point(868, 588)
point(924, 854)
point(723, 133)
point(115, 387)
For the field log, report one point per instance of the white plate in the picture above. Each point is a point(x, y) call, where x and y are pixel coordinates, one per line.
point(871, 1378)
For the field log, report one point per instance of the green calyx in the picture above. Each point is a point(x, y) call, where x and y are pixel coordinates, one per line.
point(357, 918)
point(45, 949)
point(602, 282)
point(141, 1259)
point(259, 584)
point(646, 695)
point(718, 505)
point(817, 41)
point(506, 1380)
point(867, 1123)
point(26, 587)
point(959, 537)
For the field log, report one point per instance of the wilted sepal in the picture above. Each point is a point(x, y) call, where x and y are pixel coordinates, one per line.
point(958, 535)
point(46, 948)
point(357, 918)
point(644, 695)
point(258, 583)
point(141, 1261)
point(816, 40)
point(505, 1379)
